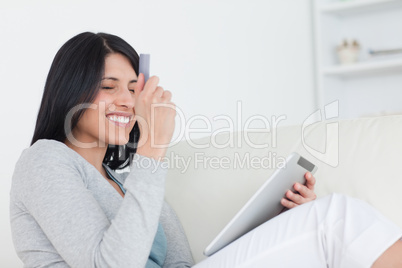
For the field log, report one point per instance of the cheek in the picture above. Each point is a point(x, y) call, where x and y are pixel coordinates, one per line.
point(104, 102)
point(90, 120)
point(94, 116)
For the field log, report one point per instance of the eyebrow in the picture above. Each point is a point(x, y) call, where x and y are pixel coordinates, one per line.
point(115, 79)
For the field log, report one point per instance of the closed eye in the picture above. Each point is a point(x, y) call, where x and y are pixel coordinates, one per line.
point(107, 88)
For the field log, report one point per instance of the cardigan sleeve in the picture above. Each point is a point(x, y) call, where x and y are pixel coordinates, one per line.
point(51, 189)
point(178, 250)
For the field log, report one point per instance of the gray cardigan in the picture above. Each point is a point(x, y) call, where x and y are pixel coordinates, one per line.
point(65, 214)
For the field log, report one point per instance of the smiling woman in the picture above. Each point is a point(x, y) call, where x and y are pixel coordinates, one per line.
point(64, 211)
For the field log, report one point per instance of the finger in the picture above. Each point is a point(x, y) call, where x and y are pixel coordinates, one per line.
point(304, 191)
point(310, 181)
point(167, 96)
point(151, 84)
point(288, 204)
point(295, 198)
point(158, 92)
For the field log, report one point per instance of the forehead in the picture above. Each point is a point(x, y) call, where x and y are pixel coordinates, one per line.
point(117, 65)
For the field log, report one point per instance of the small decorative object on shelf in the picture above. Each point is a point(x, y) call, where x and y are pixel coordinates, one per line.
point(348, 52)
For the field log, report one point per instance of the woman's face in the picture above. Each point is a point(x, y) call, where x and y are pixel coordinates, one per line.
point(110, 118)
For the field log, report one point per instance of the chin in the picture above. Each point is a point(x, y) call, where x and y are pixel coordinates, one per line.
point(119, 141)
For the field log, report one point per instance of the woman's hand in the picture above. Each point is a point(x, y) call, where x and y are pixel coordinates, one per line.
point(304, 193)
point(155, 115)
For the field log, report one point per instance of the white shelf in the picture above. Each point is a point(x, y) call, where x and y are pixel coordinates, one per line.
point(364, 68)
point(358, 6)
point(372, 85)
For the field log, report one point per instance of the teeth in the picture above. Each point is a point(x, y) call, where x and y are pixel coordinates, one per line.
point(120, 119)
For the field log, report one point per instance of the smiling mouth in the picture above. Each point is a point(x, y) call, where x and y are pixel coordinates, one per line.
point(121, 121)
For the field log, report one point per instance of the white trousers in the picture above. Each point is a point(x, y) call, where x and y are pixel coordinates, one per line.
point(334, 231)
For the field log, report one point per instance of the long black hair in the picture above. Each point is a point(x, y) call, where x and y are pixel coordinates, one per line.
point(74, 78)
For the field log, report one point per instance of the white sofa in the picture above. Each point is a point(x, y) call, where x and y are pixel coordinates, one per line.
point(206, 197)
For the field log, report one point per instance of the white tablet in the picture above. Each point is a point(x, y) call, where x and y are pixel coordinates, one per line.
point(265, 203)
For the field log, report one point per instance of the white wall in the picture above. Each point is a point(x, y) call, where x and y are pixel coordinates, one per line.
point(210, 54)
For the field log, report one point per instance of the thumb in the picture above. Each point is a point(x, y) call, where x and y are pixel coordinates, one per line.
point(140, 84)
point(310, 180)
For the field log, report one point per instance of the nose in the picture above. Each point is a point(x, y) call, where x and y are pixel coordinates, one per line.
point(125, 98)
